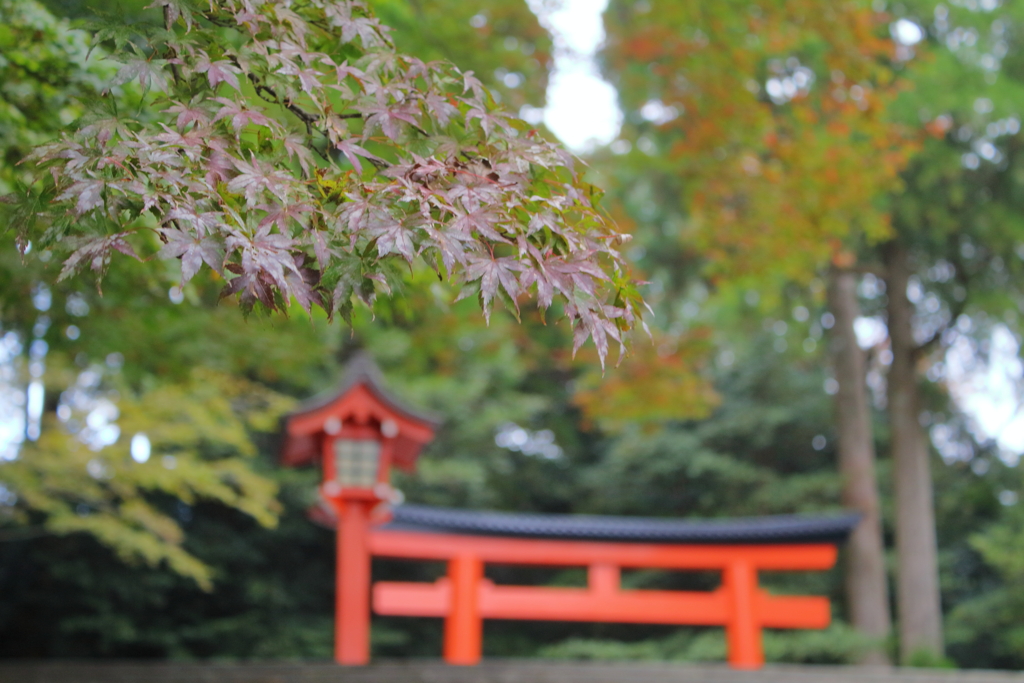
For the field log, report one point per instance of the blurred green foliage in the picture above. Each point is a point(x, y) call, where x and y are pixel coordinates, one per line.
point(163, 366)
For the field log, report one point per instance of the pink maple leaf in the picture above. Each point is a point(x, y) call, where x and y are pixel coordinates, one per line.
point(343, 71)
point(89, 194)
point(187, 113)
point(352, 152)
point(489, 120)
point(388, 116)
point(440, 107)
point(471, 82)
point(307, 77)
point(591, 323)
point(301, 281)
point(545, 289)
point(256, 177)
point(193, 250)
point(175, 9)
point(221, 71)
point(368, 30)
point(250, 287)
point(296, 147)
point(219, 167)
point(321, 249)
point(149, 73)
point(240, 116)
point(357, 212)
point(451, 245)
point(202, 222)
point(97, 252)
point(393, 237)
point(281, 215)
point(493, 272)
point(481, 221)
point(475, 193)
point(265, 253)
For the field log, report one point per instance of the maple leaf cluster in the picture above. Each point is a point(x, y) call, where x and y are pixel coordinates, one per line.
point(292, 149)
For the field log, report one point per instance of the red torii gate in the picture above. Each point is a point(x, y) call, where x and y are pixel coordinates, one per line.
point(359, 431)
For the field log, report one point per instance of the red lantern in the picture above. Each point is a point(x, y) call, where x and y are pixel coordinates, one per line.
point(358, 431)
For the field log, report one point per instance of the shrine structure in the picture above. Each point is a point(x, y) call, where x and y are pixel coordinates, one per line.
point(358, 432)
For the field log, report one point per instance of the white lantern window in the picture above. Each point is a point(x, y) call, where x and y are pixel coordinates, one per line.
point(356, 462)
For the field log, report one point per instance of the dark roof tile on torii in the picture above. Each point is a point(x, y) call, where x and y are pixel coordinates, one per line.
point(773, 529)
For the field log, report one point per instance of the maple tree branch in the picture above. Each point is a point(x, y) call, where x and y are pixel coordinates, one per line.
point(168, 24)
point(263, 90)
point(307, 118)
point(217, 22)
point(304, 116)
point(309, 144)
point(322, 25)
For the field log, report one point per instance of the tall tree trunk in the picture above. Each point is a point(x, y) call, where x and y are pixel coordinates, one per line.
point(867, 591)
point(920, 612)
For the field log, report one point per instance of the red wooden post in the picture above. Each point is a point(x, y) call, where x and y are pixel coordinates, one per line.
point(463, 626)
point(603, 579)
point(742, 631)
point(352, 610)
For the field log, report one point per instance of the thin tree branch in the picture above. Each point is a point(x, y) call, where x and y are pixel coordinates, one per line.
point(926, 346)
point(955, 311)
point(306, 117)
point(168, 24)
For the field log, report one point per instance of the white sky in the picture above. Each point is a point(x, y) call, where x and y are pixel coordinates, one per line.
point(582, 109)
point(989, 393)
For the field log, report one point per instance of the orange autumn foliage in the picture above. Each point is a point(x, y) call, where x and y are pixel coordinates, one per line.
point(771, 182)
point(659, 381)
point(778, 159)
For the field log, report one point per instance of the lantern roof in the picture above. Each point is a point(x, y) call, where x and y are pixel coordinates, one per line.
point(360, 398)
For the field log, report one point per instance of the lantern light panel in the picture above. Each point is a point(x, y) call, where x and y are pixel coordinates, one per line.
point(357, 462)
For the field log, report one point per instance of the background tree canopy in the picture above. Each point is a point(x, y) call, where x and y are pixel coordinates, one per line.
point(788, 144)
